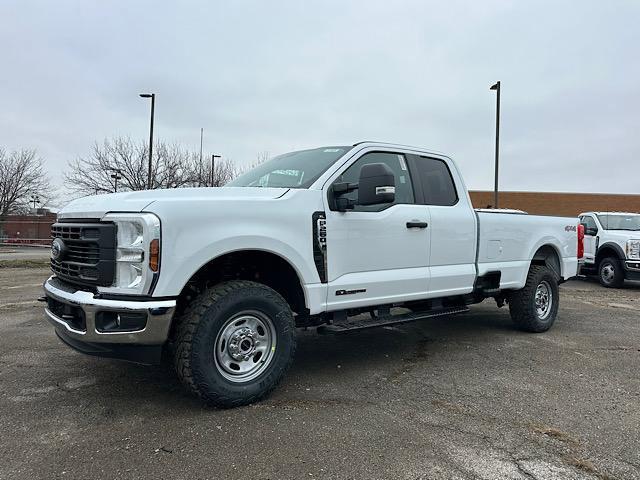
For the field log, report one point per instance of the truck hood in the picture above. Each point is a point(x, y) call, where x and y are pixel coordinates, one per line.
point(96, 206)
point(620, 236)
point(625, 233)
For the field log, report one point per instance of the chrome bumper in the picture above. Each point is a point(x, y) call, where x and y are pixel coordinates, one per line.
point(155, 332)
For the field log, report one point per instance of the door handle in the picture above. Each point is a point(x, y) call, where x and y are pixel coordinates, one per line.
point(416, 224)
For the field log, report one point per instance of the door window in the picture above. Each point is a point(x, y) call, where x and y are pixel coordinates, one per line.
point(397, 163)
point(590, 227)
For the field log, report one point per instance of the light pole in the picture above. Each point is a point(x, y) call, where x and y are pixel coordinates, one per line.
point(116, 176)
point(496, 87)
point(35, 199)
point(152, 96)
point(201, 164)
point(201, 135)
point(213, 162)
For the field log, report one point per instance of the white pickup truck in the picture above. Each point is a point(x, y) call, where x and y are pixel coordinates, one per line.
point(340, 238)
point(611, 246)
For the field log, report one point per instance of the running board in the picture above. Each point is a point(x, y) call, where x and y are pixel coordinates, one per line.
point(385, 320)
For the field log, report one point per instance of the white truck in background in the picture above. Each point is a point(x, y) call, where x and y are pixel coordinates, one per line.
point(337, 238)
point(611, 246)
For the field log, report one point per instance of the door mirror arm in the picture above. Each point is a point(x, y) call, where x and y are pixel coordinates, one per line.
point(342, 203)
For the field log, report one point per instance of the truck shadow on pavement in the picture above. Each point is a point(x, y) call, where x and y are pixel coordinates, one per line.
point(338, 363)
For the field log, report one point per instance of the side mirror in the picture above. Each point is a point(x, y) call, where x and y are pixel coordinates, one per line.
point(377, 184)
point(589, 230)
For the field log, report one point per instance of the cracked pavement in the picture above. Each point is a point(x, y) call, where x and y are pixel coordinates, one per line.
point(464, 397)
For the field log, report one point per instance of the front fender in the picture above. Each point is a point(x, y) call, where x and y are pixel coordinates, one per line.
point(182, 271)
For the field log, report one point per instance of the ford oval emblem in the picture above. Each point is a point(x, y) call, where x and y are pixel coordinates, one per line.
point(57, 249)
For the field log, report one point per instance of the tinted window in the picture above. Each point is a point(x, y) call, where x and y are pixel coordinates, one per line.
point(620, 222)
point(437, 182)
point(291, 170)
point(396, 162)
point(589, 225)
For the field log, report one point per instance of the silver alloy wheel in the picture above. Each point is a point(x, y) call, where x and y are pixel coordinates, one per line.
point(607, 273)
point(245, 346)
point(544, 300)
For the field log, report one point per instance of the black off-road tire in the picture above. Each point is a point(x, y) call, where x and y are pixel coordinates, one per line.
point(618, 274)
point(198, 329)
point(522, 303)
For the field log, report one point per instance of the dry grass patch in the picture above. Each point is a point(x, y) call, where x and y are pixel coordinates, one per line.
point(450, 407)
point(587, 466)
point(553, 433)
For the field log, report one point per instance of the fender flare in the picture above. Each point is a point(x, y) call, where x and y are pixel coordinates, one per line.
point(552, 243)
point(615, 247)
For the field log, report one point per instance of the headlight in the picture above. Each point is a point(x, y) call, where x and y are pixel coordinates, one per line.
point(633, 249)
point(137, 252)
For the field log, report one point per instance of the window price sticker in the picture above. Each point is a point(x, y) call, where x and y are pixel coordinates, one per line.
point(403, 164)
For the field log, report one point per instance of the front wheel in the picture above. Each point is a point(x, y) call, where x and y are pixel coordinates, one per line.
point(235, 343)
point(610, 273)
point(534, 308)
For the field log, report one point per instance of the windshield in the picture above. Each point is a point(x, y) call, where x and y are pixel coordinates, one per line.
point(291, 170)
point(620, 222)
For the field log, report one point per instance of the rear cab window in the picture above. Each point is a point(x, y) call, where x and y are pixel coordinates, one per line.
point(435, 181)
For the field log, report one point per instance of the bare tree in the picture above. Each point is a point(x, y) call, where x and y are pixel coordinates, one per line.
point(21, 177)
point(172, 167)
point(263, 156)
point(90, 175)
point(223, 172)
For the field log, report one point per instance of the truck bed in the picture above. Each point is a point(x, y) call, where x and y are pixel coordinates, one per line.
point(507, 241)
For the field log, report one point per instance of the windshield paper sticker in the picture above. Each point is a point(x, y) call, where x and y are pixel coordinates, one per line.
point(403, 164)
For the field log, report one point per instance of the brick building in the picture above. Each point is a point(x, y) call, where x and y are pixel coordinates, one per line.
point(35, 229)
point(558, 203)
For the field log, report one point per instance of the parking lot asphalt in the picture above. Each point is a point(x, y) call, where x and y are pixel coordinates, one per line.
point(464, 397)
point(24, 253)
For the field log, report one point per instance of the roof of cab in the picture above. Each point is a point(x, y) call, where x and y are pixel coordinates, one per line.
point(609, 213)
point(372, 143)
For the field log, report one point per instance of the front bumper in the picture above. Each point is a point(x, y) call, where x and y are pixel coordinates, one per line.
point(74, 313)
point(632, 270)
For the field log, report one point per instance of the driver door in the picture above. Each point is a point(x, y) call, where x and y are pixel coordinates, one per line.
point(590, 239)
point(377, 254)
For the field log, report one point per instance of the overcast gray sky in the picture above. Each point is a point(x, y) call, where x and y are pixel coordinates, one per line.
point(281, 75)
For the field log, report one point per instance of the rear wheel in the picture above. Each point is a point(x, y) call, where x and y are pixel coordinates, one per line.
point(610, 273)
point(534, 308)
point(235, 343)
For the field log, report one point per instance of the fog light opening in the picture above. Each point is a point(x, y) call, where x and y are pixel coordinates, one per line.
point(110, 321)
